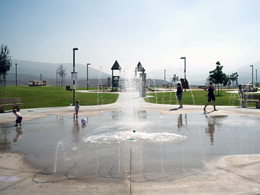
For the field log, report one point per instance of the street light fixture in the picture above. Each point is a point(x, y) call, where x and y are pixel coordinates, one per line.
point(88, 64)
point(256, 76)
point(74, 87)
point(16, 73)
point(252, 74)
point(184, 69)
point(164, 74)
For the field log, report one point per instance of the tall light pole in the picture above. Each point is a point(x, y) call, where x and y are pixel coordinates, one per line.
point(74, 87)
point(40, 77)
point(87, 74)
point(256, 76)
point(252, 74)
point(164, 74)
point(16, 73)
point(184, 70)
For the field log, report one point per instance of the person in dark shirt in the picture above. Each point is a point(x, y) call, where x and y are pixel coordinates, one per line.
point(179, 94)
point(211, 96)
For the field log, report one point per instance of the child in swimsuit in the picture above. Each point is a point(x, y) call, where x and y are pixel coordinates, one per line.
point(19, 117)
point(76, 109)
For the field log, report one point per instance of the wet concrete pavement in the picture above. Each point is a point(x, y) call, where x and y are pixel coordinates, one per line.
point(133, 168)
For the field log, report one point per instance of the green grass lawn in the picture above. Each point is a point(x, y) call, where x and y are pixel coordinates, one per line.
point(195, 97)
point(40, 97)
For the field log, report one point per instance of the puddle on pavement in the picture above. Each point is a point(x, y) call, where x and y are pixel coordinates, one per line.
point(112, 144)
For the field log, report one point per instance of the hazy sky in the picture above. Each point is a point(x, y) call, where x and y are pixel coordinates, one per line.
point(156, 33)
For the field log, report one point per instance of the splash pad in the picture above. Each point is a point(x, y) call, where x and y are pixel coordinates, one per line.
point(163, 148)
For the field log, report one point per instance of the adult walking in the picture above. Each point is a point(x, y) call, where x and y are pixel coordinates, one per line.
point(179, 94)
point(211, 96)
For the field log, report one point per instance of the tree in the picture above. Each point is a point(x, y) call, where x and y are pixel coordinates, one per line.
point(217, 76)
point(234, 77)
point(61, 71)
point(5, 64)
point(175, 79)
point(207, 81)
point(231, 78)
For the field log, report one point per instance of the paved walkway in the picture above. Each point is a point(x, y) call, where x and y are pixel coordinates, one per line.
point(124, 100)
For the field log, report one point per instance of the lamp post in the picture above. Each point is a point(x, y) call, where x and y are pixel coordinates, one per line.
point(252, 74)
point(87, 74)
point(74, 87)
point(164, 74)
point(256, 76)
point(184, 70)
point(16, 74)
point(40, 77)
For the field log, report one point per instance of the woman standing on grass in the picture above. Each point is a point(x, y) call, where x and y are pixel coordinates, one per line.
point(211, 96)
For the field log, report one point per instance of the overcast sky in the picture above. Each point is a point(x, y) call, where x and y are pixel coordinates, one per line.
point(156, 33)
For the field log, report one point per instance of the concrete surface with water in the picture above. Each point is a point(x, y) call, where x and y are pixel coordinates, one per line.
point(207, 162)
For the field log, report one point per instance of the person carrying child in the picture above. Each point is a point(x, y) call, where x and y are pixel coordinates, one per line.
point(76, 109)
point(19, 117)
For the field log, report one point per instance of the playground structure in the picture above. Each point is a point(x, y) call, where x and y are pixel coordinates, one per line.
point(139, 80)
point(115, 78)
point(142, 79)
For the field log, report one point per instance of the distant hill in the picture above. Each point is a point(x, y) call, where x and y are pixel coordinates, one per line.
point(48, 70)
point(28, 71)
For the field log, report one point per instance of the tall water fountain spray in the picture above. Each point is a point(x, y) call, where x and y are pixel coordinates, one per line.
point(130, 97)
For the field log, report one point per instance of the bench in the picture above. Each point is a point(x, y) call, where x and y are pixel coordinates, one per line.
point(10, 102)
point(166, 86)
point(249, 98)
point(103, 87)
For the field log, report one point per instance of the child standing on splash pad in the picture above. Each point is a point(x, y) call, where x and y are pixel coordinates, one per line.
point(179, 94)
point(76, 109)
point(211, 96)
point(19, 117)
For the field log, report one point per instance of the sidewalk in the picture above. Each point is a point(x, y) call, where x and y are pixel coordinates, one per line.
point(122, 102)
